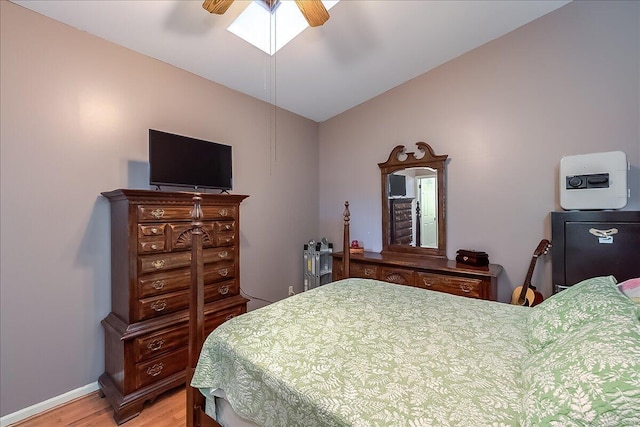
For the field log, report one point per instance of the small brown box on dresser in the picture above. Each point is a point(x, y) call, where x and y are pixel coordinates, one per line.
point(472, 258)
point(146, 333)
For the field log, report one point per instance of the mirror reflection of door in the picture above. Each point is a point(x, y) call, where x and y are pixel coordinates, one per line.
point(428, 197)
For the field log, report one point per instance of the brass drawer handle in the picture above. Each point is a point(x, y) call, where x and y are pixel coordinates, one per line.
point(157, 285)
point(223, 254)
point(466, 288)
point(154, 247)
point(159, 305)
point(368, 272)
point(157, 213)
point(223, 290)
point(155, 369)
point(223, 212)
point(427, 284)
point(227, 227)
point(155, 345)
point(154, 230)
point(224, 272)
point(229, 317)
point(158, 264)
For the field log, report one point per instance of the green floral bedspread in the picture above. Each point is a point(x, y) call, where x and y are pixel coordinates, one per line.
point(454, 362)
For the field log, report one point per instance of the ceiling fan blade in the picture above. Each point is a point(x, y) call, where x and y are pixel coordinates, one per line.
point(217, 6)
point(314, 12)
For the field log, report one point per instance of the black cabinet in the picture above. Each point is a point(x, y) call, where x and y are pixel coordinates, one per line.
point(594, 243)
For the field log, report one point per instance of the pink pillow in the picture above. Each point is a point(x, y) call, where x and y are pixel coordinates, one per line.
point(631, 288)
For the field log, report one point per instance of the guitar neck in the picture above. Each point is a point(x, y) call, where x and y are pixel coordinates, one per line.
point(527, 280)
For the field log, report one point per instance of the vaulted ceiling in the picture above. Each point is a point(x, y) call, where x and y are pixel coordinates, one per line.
point(365, 48)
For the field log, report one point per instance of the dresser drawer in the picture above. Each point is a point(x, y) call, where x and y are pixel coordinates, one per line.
point(402, 216)
point(218, 255)
point(403, 230)
point(162, 304)
point(159, 343)
point(226, 238)
point(175, 280)
point(406, 240)
point(163, 262)
point(153, 345)
point(450, 284)
point(221, 271)
point(151, 244)
point(170, 261)
point(216, 291)
point(161, 283)
point(219, 317)
point(219, 212)
point(174, 301)
point(404, 205)
point(147, 213)
point(151, 230)
point(365, 271)
point(398, 276)
point(160, 367)
point(222, 226)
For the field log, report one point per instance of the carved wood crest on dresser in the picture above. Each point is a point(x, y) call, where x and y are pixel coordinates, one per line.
point(146, 333)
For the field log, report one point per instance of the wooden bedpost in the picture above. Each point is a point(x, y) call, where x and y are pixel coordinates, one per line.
point(195, 399)
point(346, 254)
point(418, 224)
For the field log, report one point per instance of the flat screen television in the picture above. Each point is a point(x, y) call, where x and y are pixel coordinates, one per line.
point(177, 160)
point(397, 185)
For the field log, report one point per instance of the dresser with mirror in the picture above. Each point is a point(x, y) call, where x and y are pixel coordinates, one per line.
point(414, 232)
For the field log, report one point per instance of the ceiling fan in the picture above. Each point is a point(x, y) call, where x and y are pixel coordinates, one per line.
point(313, 10)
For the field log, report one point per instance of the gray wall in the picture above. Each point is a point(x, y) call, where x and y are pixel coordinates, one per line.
point(505, 113)
point(75, 115)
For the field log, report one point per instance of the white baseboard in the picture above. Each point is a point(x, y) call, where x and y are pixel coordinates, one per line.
point(47, 404)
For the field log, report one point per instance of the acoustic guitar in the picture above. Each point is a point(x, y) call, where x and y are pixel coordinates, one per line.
point(527, 294)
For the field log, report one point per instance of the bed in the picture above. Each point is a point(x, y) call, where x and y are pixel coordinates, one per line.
point(360, 352)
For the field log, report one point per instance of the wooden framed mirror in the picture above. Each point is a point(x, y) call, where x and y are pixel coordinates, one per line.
point(413, 202)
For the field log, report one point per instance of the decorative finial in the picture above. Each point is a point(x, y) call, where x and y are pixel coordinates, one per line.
point(196, 212)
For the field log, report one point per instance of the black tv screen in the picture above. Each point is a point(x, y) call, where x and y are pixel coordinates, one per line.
point(181, 161)
point(397, 185)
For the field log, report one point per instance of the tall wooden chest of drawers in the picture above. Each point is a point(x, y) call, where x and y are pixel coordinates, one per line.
point(146, 333)
point(401, 221)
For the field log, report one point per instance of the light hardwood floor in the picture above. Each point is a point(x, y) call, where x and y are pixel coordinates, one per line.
point(169, 410)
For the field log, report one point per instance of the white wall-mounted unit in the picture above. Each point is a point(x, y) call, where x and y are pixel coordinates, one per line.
point(594, 181)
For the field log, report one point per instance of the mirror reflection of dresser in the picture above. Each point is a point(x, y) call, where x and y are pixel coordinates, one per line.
point(414, 233)
point(401, 222)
